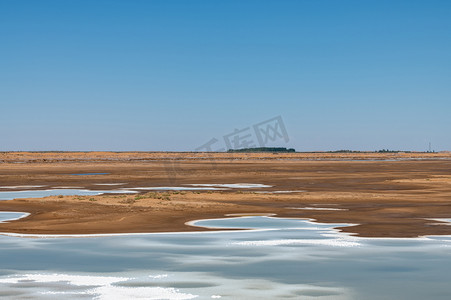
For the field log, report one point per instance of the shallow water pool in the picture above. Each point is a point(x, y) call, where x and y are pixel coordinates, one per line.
point(278, 259)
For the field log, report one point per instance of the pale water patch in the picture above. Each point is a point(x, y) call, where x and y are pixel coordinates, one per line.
point(317, 208)
point(100, 287)
point(233, 185)
point(175, 188)
point(246, 215)
point(202, 187)
point(120, 191)
point(6, 216)
point(442, 221)
point(77, 280)
point(72, 286)
point(22, 186)
point(88, 174)
point(55, 192)
point(279, 192)
point(333, 242)
point(277, 259)
point(67, 187)
point(265, 222)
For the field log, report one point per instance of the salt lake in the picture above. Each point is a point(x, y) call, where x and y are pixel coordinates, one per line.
point(273, 258)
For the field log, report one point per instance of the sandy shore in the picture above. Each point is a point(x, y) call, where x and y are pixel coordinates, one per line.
point(388, 195)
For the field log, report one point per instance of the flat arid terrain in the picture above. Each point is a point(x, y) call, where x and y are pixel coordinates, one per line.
point(383, 194)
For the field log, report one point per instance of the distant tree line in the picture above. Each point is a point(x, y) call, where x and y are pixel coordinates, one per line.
point(344, 151)
point(391, 151)
point(263, 149)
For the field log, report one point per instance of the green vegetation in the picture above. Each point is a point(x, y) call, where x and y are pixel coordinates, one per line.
point(154, 195)
point(127, 201)
point(390, 151)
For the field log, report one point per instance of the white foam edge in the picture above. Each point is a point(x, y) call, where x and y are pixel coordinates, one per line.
point(103, 286)
point(176, 188)
point(94, 235)
point(307, 220)
point(76, 280)
point(318, 208)
point(335, 242)
point(119, 191)
point(280, 192)
point(67, 187)
point(312, 221)
point(21, 186)
point(444, 221)
point(189, 223)
point(232, 185)
point(250, 215)
point(24, 215)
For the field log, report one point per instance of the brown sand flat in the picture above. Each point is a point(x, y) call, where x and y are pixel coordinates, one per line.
point(388, 195)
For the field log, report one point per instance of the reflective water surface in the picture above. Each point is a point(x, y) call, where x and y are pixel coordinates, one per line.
point(55, 192)
point(273, 258)
point(282, 259)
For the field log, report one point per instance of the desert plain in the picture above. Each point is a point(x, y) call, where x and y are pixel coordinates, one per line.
point(382, 194)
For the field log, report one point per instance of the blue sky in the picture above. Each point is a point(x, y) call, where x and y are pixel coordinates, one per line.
point(172, 75)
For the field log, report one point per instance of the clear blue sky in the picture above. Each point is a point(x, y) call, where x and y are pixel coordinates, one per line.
point(171, 75)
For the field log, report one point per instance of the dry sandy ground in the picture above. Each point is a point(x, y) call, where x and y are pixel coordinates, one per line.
point(27, 157)
point(388, 195)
